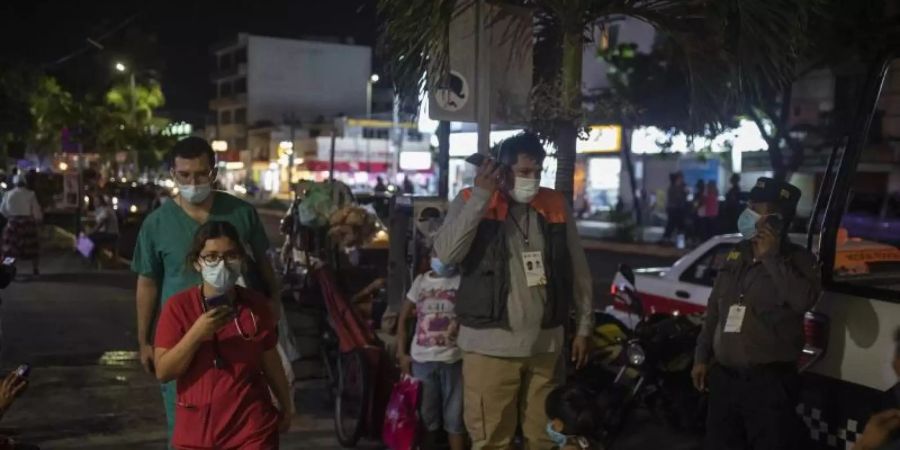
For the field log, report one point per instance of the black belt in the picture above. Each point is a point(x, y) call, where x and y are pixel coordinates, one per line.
point(785, 368)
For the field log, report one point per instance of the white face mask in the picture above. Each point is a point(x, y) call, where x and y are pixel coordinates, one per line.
point(220, 275)
point(525, 189)
point(195, 194)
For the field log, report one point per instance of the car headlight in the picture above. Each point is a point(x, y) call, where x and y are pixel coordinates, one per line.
point(635, 353)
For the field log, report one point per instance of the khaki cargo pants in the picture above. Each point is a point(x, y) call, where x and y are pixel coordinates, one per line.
point(500, 393)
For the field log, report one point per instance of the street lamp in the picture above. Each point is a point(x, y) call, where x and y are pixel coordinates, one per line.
point(121, 67)
point(372, 80)
point(219, 145)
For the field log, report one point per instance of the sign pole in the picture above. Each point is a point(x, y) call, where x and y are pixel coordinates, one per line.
point(483, 77)
point(80, 202)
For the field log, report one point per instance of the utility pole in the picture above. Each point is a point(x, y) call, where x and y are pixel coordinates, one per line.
point(483, 80)
point(80, 168)
point(291, 120)
point(443, 135)
point(132, 93)
point(395, 145)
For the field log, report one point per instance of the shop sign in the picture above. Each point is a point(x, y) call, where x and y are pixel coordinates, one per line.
point(601, 139)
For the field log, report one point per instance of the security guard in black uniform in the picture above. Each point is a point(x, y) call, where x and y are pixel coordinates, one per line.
point(752, 338)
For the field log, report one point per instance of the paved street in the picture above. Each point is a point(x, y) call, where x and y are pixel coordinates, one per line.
point(76, 327)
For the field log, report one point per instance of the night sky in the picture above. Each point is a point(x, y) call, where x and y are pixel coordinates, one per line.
point(168, 40)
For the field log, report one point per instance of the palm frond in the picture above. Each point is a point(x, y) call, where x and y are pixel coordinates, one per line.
point(413, 40)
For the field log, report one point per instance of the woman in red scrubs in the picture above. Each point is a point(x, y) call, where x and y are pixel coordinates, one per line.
point(218, 341)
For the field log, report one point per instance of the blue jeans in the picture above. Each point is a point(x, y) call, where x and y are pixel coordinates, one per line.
point(441, 402)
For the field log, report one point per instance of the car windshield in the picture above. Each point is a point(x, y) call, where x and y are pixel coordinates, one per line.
point(867, 250)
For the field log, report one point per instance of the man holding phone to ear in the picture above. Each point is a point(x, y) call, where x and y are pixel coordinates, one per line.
point(522, 272)
point(752, 338)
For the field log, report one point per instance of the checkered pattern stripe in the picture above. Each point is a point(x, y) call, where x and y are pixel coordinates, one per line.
point(841, 437)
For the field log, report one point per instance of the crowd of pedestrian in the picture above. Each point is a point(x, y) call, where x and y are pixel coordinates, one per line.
point(696, 215)
point(483, 330)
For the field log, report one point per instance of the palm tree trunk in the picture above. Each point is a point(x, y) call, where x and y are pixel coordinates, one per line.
point(566, 135)
point(776, 156)
point(632, 177)
point(567, 131)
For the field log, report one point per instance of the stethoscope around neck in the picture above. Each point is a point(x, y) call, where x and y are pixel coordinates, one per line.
point(219, 362)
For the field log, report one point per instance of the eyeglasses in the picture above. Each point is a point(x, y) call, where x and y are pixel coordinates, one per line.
point(200, 177)
point(215, 258)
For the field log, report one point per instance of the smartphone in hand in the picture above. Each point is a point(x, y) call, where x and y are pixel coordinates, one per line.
point(217, 301)
point(23, 371)
point(776, 221)
point(476, 159)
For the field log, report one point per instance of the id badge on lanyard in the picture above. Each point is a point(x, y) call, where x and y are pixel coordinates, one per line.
point(735, 319)
point(533, 262)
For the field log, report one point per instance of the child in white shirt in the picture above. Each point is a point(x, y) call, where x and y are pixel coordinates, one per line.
point(434, 357)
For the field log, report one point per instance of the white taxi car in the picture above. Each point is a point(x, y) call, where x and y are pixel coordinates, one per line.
point(684, 287)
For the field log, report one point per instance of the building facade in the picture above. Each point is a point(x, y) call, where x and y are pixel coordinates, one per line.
point(264, 86)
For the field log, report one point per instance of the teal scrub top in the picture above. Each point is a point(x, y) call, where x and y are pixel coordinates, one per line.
point(166, 237)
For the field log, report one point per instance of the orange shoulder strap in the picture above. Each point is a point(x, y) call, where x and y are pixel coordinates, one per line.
point(497, 206)
point(551, 204)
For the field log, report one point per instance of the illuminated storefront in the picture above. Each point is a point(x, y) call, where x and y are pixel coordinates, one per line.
point(598, 169)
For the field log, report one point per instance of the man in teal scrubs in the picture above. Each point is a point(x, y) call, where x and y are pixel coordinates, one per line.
point(166, 235)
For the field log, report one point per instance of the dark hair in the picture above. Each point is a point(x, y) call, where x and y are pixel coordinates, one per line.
point(524, 143)
point(213, 229)
point(191, 148)
point(574, 405)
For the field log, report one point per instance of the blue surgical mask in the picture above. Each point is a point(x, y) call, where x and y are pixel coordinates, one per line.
point(442, 270)
point(558, 438)
point(747, 223)
point(195, 194)
point(222, 276)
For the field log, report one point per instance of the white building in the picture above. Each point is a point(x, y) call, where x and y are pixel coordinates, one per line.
point(260, 83)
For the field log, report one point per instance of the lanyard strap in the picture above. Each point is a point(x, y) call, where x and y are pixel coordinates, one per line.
point(527, 224)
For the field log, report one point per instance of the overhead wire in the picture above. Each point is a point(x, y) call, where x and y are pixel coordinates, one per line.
point(93, 42)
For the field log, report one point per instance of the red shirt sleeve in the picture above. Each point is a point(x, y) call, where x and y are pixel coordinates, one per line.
point(170, 327)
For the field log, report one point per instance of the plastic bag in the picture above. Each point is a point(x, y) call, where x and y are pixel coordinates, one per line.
point(316, 207)
point(84, 245)
point(401, 419)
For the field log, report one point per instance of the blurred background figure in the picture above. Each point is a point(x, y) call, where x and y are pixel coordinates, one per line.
point(23, 213)
point(676, 206)
point(408, 187)
point(731, 209)
point(105, 232)
point(711, 206)
point(379, 185)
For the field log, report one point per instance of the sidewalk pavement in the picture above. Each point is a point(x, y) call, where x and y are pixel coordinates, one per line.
point(633, 248)
point(75, 326)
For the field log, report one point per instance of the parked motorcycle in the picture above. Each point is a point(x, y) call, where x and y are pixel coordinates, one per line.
point(648, 366)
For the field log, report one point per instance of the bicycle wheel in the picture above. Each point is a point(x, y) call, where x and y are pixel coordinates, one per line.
point(329, 354)
point(352, 399)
